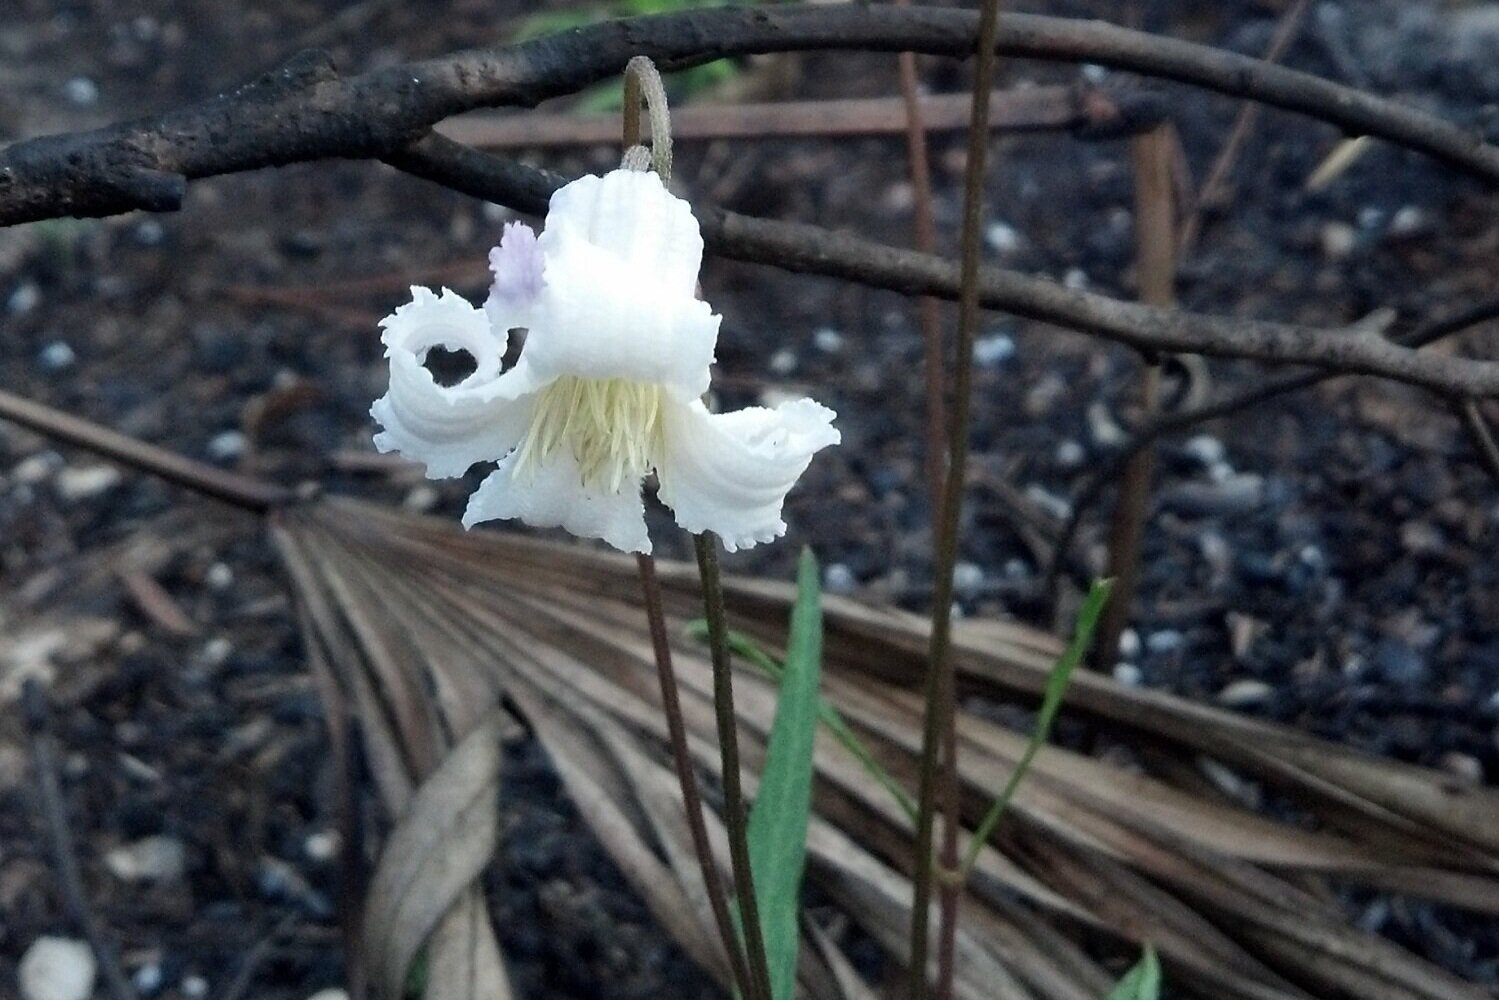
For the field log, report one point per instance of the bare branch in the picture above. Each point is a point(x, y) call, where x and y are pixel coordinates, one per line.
point(306, 111)
point(811, 249)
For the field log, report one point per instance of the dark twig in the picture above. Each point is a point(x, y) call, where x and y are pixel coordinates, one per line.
point(240, 491)
point(692, 800)
point(940, 694)
point(1482, 436)
point(811, 249)
point(1249, 115)
point(306, 111)
point(1176, 423)
point(255, 957)
point(1155, 255)
point(735, 817)
point(60, 839)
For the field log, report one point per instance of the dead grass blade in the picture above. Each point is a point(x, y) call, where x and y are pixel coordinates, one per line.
point(421, 621)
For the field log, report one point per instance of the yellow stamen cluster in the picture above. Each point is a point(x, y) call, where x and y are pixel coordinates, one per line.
point(612, 426)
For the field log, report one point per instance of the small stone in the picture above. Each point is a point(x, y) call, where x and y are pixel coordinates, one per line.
point(1104, 429)
point(1205, 450)
point(1164, 641)
point(56, 968)
point(421, 498)
point(1409, 221)
point(1338, 240)
point(837, 578)
point(56, 356)
point(1049, 502)
point(148, 979)
point(1129, 644)
point(332, 993)
point(1238, 494)
point(1094, 73)
point(1216, 552)
point(35, 469)
point(827, 340)
point(1076, 279)
point(1128, 674)
point(80, 483)
point(193, 987)
point(1221, 472)
point(82, 91)
point(783, 362)
point(219, 576)
point(1002, 237)
point(1421, 537)
point(1464, 766)
point(1070, 454)
point(1016, 569)
point(1240, 693)
point(226, 446)
point(322, 846)
point(1397, 662)
point(216, 651)
point(1243, 630)
point(993, 350)
point(967, 578)
point(150, 859)
point(25, 298)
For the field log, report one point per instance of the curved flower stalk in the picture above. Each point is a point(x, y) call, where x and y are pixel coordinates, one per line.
point(607, 387)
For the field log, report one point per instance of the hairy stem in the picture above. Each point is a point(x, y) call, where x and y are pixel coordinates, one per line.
point(735, 817)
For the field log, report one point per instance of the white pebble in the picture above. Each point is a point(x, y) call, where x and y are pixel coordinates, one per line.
point(193, 987)
point(1017, 569)
point(1049, 502)
point(1129, 644)
point(837, 578)
point(827, 340)
point(1094, 73)
point(1338, 240)
point(150, 859)
point(1002, 237)
point(226, 446)
point(56, 356)
point(967, 578)
point(36, 468)
point(75, 483)
point(783, 362)
point(25, 298)
point(56, 968)
point(1103, 427)
point(421, 498)
point(322, 845)
point(1070, 454)
point(1205, 450)
point(1167, 640)
point(216, 651)
point(1244, 692)
point(148, 978)
point(1128, 674)
point(1076, 279)
point(332, 993)
point(81, 91)
point(993, 349)
point(219, 576)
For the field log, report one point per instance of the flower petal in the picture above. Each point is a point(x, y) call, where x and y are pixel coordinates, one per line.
point(729, 473)
point(552, 495)
point(449, 428)
point(518, 268)
point(619, 299)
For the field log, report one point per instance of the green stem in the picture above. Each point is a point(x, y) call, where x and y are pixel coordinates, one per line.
point(940, 687)
point(728, 743)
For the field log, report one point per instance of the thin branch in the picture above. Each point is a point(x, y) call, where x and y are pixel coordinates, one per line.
point(812, 250)
point(306, 111)
point(1176, 423)
point(1212, 188)
point(60, 840)
point(240, 491)
point(940, 696)
point(1085, 109)
point(735, 816)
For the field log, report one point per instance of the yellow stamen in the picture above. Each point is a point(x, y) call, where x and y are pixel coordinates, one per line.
point(612, 426)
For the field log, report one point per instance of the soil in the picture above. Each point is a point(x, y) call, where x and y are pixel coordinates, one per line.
point(1326, 560)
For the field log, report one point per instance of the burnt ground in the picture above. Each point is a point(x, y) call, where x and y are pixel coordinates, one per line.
point(1326, 560)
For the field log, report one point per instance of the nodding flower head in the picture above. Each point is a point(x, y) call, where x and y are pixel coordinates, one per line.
point(608, 385)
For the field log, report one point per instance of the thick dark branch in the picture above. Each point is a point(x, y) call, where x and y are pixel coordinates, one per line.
point(810, 249)
point(307, 112)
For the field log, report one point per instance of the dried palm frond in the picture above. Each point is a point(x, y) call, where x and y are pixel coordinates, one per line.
point(421, 630)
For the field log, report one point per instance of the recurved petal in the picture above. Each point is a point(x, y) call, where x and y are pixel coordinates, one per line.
point(449, 428)
point(551, 494)
point(519, 273)
point(729, 473)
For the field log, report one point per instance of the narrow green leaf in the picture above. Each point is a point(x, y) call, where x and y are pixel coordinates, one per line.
point(778, 821)
point(1143, 982)
point(745, 646)
point(1051, 703)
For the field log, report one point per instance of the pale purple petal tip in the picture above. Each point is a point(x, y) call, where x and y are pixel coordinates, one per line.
point(517, 265)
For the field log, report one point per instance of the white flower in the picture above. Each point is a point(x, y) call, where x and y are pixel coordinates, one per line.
point(607, 387)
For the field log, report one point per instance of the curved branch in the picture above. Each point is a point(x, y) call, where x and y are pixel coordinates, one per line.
point(813, 250)
point(306, 111)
